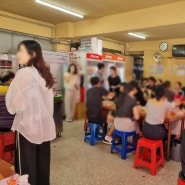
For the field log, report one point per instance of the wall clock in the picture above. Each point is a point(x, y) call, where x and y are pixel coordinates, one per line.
point(163, 46)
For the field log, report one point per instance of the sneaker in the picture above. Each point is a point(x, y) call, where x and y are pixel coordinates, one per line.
point(107, 140)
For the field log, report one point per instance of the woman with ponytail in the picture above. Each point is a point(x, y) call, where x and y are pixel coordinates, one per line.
point(157, 110)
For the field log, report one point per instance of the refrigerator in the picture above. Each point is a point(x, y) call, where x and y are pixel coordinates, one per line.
point(57, 61)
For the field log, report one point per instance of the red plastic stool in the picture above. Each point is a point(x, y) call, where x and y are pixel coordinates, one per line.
point(7, 146)
point(180, 181)
point(141, 158)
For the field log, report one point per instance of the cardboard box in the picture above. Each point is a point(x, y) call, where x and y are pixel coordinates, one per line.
point(6, 169)
point(80, 112)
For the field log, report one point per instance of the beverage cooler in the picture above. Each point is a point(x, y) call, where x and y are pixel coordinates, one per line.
point(87, 65)
point(56, 62)
point(118, 62)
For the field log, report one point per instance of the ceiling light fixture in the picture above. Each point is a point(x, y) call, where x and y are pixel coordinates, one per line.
point(136, 35)
point(58, 8)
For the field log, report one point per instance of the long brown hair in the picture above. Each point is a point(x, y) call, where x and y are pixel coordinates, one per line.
point(38, 61)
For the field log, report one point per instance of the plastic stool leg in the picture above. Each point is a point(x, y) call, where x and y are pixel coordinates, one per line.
point(145, 154)
point(162, 155)
point(137, 155)
point(113, 143)
point(92, 135)
point(153, 162)
point(124, 145)
point(85, 129)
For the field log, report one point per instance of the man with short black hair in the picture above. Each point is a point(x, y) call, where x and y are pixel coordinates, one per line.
point(94, 100)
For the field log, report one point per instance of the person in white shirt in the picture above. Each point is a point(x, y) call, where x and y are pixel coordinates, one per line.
point(72, 88)
point(30, 97)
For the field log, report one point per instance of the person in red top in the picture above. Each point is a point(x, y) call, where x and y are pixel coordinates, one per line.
point(179, 94)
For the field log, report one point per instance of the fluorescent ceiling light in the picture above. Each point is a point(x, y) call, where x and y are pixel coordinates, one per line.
point(58, 8)
point(136, 35)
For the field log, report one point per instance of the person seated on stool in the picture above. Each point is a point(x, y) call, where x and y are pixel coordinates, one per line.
point(127, 110)
point(158, 109)
point(94, 101)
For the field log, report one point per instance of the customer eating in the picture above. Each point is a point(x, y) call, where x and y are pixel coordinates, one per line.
point(94, 102)
point(158, 109)
point(127, 111)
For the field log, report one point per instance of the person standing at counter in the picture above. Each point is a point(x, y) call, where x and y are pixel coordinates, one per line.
point(114, 81)
point(72, 87)
point(30, 97)
point(100, 73)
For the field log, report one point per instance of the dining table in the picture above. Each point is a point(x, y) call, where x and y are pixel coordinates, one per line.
point(174, 117)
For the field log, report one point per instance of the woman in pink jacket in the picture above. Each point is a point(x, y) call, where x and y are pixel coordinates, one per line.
point(30, 97)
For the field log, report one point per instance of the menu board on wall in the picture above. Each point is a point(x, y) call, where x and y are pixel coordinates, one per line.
point(180, 69)
point(156, 70)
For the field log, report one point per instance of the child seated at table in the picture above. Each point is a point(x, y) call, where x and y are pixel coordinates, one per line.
point(158, 109)
point(94, 101)
point(127, 111)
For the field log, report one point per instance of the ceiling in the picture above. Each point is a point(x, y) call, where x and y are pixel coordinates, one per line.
point(88, 8)
point(156, 33)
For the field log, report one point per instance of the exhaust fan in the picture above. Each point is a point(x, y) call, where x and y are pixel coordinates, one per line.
point(157, 57)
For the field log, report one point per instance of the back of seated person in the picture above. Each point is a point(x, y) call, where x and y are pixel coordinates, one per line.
point(157, 110)
point(127, 111)
point(94, 99)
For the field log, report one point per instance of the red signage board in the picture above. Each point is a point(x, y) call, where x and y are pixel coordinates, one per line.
point(114, 57)
point(93, 56)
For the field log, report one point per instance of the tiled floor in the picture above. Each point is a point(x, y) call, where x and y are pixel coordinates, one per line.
point(75, 162)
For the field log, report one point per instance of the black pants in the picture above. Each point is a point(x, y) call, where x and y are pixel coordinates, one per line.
point(155, 132)
point(183, 152)
point(34, 161)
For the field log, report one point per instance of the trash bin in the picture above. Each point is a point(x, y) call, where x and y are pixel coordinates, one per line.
point(175, 151)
